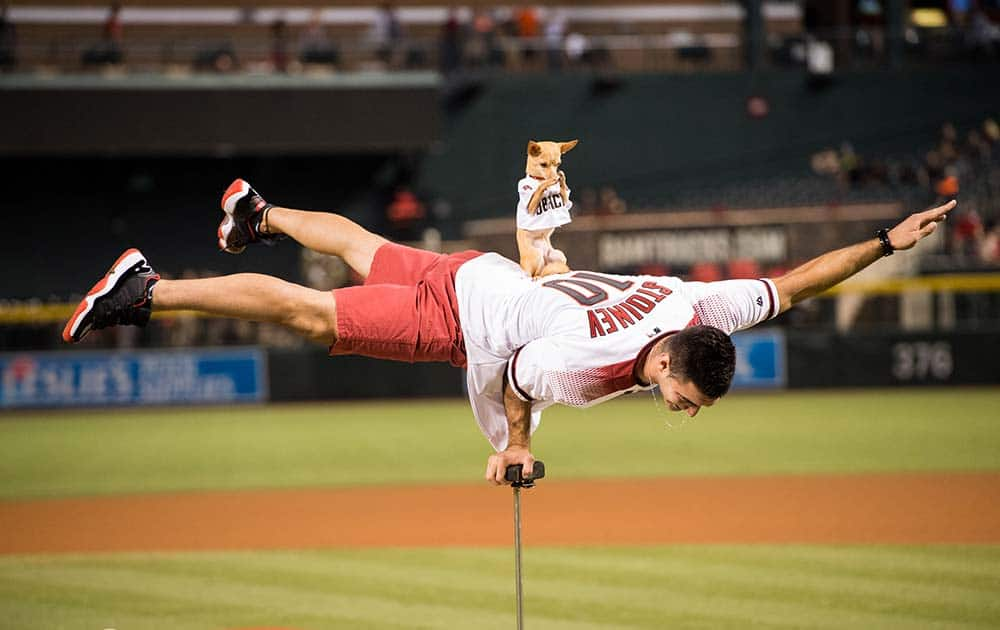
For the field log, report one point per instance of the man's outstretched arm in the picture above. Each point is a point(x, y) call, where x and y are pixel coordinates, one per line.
point(823, 272)
point(518, 449)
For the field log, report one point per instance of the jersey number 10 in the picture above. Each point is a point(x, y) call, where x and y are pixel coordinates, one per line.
point(584, 292)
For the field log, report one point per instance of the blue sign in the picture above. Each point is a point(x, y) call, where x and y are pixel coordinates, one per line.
point(70, 379)
point(760, 359)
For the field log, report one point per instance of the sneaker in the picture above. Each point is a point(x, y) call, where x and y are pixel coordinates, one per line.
point(122, 297)
point(244, 208)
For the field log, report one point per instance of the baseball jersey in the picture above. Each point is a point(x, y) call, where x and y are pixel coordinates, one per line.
point(551, 211)
point(575, 338)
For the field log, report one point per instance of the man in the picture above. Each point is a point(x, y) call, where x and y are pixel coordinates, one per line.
point(578, 338)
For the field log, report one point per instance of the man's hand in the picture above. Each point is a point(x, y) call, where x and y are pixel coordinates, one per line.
point(563, 188)
point(496, 466)
point(823, 272)
point(918, 226)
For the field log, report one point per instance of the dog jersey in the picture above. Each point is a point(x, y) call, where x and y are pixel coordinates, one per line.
point(575, 338)
point(551, 211)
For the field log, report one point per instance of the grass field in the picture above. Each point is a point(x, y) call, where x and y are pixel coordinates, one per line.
point(709, 586)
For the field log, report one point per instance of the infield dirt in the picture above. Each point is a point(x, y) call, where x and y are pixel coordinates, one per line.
point(885, 508)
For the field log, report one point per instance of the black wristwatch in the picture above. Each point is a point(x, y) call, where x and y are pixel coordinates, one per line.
point(883, 239)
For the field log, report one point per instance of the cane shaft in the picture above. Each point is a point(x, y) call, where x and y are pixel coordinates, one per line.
point(517, 558)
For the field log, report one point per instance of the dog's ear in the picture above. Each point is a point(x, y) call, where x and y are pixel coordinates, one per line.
point(566, 146)
point(534, 149)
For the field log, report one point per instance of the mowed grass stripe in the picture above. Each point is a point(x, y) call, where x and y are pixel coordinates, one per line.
point(24, 606)
point(568, 588)
point(66, 453)
point(738, 572)
point(307, 606)
point(824, 587)
point(974, 567)
point(575, 611)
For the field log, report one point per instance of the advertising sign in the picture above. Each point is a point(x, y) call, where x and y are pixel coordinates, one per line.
point(760, 359)
point(70, 379)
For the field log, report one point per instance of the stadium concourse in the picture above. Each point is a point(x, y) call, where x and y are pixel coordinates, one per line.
point(955, 508)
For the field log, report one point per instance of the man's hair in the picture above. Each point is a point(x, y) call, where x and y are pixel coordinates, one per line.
point(703, 355)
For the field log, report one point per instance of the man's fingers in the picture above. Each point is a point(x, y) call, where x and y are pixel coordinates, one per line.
point(491, 467)
point(938, 214)
point(928, 229)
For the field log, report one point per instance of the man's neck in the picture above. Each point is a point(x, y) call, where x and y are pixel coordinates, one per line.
point(644, 371)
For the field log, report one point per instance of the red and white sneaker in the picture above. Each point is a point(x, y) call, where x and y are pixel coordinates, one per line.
point(244, 208)
point(123, 297)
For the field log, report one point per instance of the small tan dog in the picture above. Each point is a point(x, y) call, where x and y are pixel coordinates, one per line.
point(543, 206)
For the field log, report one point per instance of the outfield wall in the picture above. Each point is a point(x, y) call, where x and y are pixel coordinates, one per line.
point(767, 358)
point(817, 359)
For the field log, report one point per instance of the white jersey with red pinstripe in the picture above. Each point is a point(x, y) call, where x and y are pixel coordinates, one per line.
point(575, 338)
point(551, 212)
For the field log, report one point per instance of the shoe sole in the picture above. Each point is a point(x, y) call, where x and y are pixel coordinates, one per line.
point(130, 258)
point(236, 191)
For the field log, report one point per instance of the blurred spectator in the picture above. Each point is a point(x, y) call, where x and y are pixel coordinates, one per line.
point(219, 58)
point(826, 162)
point(947, 186)
point(529, 27)
point(934, 165)
point(406, 214)
point(691, 47)
point(484, 46)
point(322, 272)
point(743, 269)
point(113, 31)
point(555, 33)
point(991, 131)
point(869, 18)
point(989, 246)
point(109, 50)
point(279, 46)
point(967, 233)
point(8, 41)
point(609, 202)
point(452, 44)
point(982, 37)
point(947, 146)
point(705, 272)
point(386, 31)
point(577, 48)
point(977, 148)
point(586, 203)
point(315, 44)
point(850, 164)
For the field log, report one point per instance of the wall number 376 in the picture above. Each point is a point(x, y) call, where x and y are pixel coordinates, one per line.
point(922, 360)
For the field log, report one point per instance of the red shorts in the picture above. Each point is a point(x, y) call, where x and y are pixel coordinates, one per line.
point(406, 310)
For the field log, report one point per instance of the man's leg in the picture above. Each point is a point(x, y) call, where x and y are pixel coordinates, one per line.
point(254, 297)
point(131, 290)
point(249, 218)
point(326, 233)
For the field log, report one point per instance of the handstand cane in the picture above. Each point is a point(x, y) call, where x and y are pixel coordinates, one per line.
point(513, 475)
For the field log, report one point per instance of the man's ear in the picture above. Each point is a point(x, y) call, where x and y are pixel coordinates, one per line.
point(566, 146)
point(663, 362)
point(534, 149)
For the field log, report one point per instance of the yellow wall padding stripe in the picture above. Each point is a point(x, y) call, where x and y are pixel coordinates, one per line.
point(957, 283)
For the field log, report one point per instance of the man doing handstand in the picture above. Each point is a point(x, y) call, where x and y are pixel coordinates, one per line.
point(578, 339)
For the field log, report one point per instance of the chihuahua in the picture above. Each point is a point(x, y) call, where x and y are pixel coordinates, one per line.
point(543, 206)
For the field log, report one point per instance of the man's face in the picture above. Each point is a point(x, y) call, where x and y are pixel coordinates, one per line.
point(682, 395)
